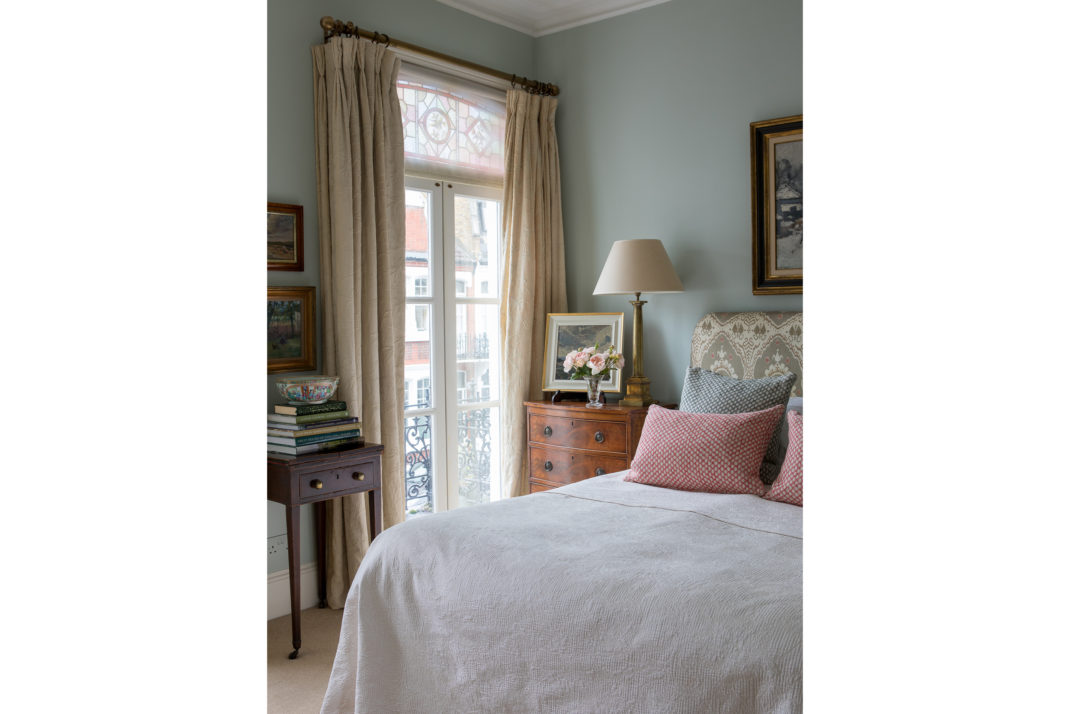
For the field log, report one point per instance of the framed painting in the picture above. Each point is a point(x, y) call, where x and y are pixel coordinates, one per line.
point(776, 166)
point(568, 331)
point(291, 329)
point(285, 237)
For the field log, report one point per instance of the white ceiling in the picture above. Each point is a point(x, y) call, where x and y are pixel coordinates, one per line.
point(541, 17)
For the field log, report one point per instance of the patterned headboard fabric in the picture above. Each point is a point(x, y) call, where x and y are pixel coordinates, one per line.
point(747, 345)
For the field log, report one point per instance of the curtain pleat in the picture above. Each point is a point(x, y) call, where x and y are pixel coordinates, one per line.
point(533, 266)
point(360, 186)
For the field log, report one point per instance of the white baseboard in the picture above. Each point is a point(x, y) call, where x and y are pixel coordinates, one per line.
point(278, 591)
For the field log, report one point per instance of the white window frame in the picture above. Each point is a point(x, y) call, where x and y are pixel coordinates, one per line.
point(443, 301)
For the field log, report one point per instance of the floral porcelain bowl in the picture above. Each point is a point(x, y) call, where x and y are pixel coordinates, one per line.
point(307, 390)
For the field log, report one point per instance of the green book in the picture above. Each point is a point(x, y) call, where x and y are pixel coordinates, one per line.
point(349, 422)
point(314, 439)
point(307, 418)
point(330, 428)
point(306, 409)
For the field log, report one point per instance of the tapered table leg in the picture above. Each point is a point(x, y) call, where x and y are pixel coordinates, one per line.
point(293, 543)
point(376, 514)
point(321, 550)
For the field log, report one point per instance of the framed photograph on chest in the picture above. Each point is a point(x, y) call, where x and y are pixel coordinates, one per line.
point(569, 331)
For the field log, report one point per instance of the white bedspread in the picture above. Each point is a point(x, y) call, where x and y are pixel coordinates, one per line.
point(602, 596)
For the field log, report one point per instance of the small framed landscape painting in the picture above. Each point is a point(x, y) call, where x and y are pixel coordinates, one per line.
point(291, 329)
point(568, 331)
point(776, 151)
point(285, 237)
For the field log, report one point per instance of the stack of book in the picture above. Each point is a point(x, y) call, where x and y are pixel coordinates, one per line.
point(309, 428)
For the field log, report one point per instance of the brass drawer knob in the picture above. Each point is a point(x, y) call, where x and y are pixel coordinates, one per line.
point(599, 471)
point(599, 437)
point(358, 475)
point(548, 431)
point(316, 483)
point(548, 466)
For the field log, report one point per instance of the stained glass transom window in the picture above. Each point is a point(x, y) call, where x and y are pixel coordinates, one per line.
point(445, 128)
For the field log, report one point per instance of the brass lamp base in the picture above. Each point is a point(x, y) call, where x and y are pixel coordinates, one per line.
point(637, 392)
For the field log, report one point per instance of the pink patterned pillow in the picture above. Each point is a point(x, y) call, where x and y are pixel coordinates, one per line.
point(716, 453)
point(788, 485)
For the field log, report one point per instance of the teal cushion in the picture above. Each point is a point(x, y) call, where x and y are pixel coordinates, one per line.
point(711, 393)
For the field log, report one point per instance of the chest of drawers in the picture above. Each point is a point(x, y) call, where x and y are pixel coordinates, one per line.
point(567, 442)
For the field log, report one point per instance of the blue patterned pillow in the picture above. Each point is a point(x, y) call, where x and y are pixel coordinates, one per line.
point(711, 393)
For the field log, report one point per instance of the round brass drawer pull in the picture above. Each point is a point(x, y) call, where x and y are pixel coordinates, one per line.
point(358, 475)
point(548, 466)
point(316, 483)
point(548, 431)
point(599, 437)
point(599, 471)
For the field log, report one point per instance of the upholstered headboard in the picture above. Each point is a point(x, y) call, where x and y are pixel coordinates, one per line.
point(746, 345)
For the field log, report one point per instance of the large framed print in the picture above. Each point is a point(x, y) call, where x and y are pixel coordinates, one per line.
point(285, 237)
point(568, 331)
point(776, 151)
point(291, 329)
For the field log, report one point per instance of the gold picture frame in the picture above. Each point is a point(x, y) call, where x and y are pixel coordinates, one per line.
point(776, 154)
point(285, 237)
point(567, 331)
point(291, 329)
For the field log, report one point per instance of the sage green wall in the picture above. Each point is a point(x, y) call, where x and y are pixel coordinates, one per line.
point(653, 129)
point(293, 27)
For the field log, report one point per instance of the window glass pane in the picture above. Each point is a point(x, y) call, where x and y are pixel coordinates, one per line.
point(417, 243)
point(418, 357)
point(479, 478)
point(451, 128)
point(476, 227)
point(418, 486)
point(477, 353)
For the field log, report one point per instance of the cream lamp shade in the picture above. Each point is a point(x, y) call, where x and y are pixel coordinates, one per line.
point(638, 266)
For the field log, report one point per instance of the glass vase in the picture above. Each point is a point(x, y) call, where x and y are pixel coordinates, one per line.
point(594, 387)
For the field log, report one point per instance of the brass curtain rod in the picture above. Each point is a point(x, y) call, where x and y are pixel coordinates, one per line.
point(338, 28)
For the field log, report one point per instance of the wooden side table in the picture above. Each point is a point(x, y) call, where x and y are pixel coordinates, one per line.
point(317, 478)
point(567, 442)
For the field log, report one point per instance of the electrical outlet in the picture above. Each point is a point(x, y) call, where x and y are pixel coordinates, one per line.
point(276, 544)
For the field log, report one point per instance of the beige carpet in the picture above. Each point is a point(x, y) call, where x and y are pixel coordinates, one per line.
point(297, 686)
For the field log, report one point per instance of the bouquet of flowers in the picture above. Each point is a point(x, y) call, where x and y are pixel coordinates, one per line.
point(589, 362)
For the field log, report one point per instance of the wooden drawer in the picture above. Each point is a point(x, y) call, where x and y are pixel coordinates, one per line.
point(562, 466)
point(578, 433)
point(537, 486)
point(351, 479)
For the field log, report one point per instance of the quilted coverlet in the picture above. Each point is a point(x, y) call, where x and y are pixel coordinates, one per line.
point(601, 596)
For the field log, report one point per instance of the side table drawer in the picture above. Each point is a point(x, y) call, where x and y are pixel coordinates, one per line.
point(578, 433)
point(562, 466)
point(351, 479)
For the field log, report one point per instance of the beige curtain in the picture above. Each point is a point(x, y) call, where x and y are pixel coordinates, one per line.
point(533, 281)
point(360, 185)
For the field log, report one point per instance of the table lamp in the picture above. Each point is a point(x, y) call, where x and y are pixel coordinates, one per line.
point(637, 266)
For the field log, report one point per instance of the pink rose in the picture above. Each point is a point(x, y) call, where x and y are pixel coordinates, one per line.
point(598, 363)
point(580, 359)
point(569, 358)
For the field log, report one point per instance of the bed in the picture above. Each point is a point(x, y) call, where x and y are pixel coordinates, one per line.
point(600, 596)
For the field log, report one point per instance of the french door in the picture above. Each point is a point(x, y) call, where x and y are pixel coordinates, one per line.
point(452, 345)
